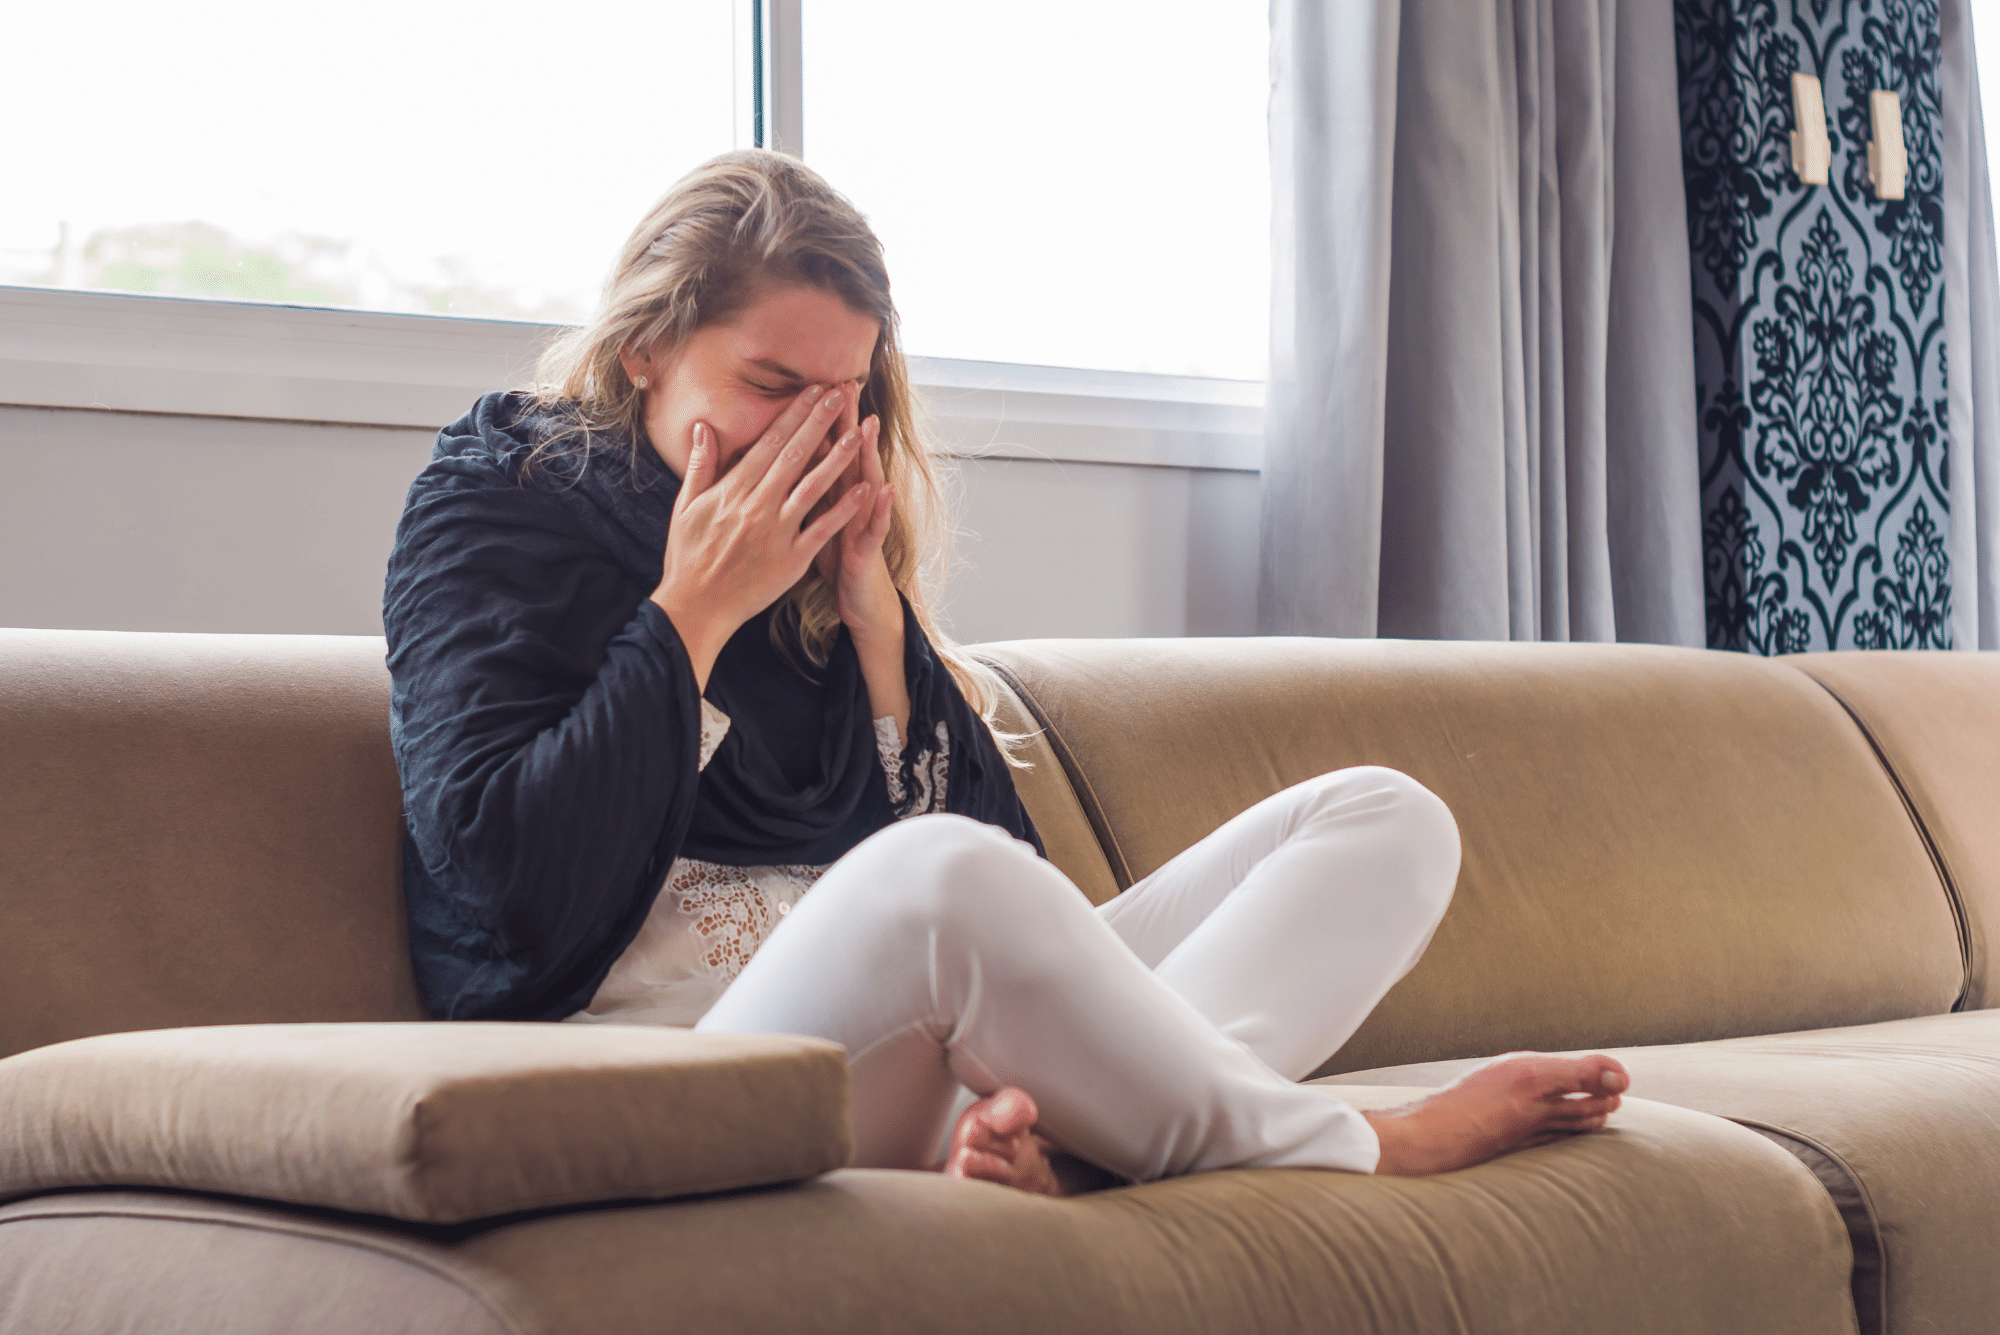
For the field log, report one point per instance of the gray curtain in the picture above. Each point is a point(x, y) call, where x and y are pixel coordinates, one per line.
point(1480, 422)
point(1972, 341)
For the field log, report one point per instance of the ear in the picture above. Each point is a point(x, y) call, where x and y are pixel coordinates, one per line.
point(637, 364)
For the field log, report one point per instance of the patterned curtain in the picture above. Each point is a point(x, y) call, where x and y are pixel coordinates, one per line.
point(1819, 329)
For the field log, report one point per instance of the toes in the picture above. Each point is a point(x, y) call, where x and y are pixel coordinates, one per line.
point(1020, 1162)
point(970, 1133)
point(1584, 1105)
point(1009, 1113)
point(1577, 1122)
point(996, 1125)
point(976, 1132)
point(1518, 1072)
point(1595, 1076)
point(981, 1166)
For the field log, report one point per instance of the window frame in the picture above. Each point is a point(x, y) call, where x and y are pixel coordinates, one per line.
point(203, 357)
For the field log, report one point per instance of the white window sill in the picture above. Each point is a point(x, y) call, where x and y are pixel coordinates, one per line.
point(203, 358)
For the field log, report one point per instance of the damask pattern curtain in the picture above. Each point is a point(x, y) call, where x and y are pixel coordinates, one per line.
point(1481, 414)
point(1820, 328)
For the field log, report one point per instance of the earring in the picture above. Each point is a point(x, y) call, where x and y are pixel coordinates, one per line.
point(640, 382)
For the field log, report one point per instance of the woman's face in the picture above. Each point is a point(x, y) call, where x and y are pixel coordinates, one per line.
point(738, 376)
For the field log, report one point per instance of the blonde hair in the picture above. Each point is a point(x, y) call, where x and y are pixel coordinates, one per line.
point(728, 232)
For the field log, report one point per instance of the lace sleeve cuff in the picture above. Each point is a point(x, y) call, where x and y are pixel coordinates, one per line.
point(889, 749)
point(918, 778)
point(715, 726)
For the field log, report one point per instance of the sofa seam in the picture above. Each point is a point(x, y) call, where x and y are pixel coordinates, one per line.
point(1860, 1190)
point(1079, 784)
point(477, 1292)
point(1952, 896)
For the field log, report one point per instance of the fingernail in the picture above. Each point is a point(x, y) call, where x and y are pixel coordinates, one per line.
point(832, 399)
point(1613, 1082)
point(813, 392)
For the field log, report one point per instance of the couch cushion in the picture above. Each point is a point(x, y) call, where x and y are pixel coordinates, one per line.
point(1667, 1222)
point(1936, 718)
point(431, 1122)
point(200, 829)
point(1659, 844)
point(1902, 1119)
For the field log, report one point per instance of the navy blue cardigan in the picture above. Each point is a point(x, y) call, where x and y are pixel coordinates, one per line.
point(546, 724)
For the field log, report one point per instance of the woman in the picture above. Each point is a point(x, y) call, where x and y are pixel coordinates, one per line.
point(664, 662)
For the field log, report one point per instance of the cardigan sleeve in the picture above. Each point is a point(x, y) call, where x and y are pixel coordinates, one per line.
point(549, 750)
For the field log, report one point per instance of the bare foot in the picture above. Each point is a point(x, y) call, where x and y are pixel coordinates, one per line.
point(1510, 1103)
point(995, 1141)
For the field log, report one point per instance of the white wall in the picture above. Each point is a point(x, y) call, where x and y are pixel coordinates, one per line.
point(144, 521)
point(1080, 549)
point(117, 521)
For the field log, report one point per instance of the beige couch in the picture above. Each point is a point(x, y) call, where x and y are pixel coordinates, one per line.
point(1772, 887)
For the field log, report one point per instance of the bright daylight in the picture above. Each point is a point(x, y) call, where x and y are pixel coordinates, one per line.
point(192, 158)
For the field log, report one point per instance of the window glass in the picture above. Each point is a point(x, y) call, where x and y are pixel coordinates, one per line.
point(1054, 182)
point(390, 154)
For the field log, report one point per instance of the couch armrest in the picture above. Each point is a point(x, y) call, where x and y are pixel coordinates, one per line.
point(436, 1123)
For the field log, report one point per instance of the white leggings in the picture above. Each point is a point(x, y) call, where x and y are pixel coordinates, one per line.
point(1160, 1034)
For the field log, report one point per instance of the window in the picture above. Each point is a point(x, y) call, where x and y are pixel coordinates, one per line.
point(390, 154)
point(1057, 183)
point(1079, 185)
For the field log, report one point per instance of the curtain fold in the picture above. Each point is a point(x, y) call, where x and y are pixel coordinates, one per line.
point(1481, 414)
point(1332, 131)
point(1653, 488)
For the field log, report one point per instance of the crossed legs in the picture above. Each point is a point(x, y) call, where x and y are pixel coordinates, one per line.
point(1159, 1035)
point(1287, 925)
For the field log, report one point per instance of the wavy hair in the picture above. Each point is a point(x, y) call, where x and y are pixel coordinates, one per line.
point(729, 231)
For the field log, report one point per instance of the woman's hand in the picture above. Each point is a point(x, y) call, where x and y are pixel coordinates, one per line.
point(870, 606)
point(737, 543)
point(853, 562)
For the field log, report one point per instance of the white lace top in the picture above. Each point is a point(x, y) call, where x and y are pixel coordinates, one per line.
point(709, 919)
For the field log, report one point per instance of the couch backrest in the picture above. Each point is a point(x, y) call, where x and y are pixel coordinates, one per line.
point(1936, 720)
point(206, 829)
point(196, 829)
point(1660, 845)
